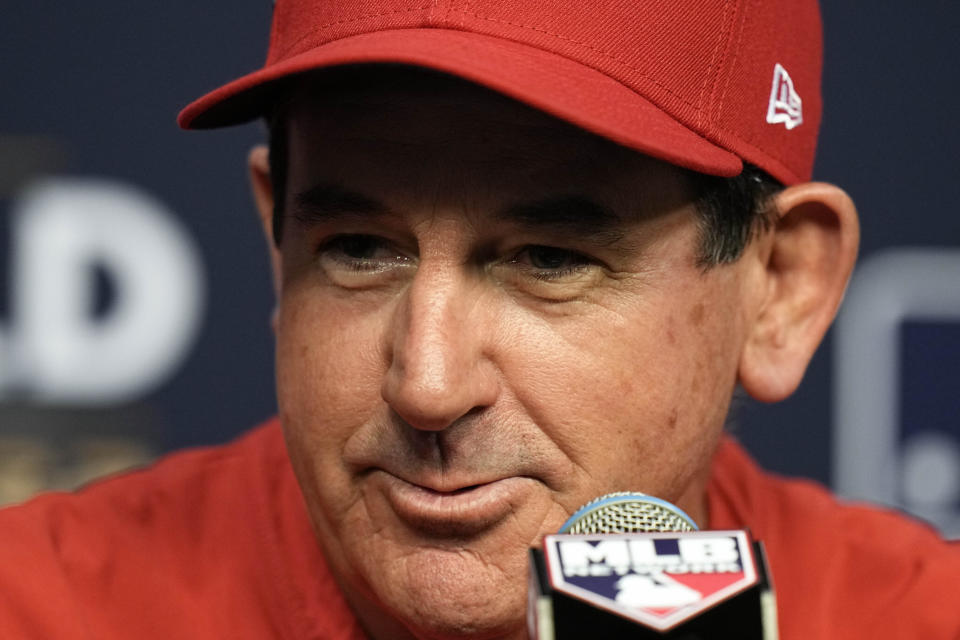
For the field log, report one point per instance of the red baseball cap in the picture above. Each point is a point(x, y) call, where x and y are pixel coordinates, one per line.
point(703, 84)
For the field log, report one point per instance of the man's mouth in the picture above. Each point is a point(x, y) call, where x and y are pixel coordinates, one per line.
point(459, 510)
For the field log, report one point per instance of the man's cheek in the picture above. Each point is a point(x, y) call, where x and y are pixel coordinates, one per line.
point(328, 350)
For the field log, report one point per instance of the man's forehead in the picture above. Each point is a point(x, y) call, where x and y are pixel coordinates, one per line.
point(402, 130)
point(367, 101)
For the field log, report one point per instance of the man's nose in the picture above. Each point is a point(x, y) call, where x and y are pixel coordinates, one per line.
point(438, 346)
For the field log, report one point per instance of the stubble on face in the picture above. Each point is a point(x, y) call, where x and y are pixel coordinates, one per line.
point(462, 362)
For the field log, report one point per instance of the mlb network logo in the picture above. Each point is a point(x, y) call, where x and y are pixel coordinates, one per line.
point(659, 580)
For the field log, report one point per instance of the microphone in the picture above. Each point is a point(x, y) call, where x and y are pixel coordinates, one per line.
point(634, 566)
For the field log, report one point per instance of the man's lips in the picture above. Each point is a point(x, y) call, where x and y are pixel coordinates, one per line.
point(463, 510)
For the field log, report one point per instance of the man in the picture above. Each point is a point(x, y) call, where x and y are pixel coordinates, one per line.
point(523, 254)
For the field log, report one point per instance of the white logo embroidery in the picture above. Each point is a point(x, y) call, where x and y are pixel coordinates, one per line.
point(654, 590)
point(785, 104)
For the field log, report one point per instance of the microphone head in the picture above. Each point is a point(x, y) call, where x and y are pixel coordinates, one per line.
point(625, 512)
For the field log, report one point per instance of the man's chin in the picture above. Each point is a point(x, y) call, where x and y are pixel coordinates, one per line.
point(453, 593)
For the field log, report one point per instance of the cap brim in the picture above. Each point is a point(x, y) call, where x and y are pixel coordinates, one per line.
point(552, 83)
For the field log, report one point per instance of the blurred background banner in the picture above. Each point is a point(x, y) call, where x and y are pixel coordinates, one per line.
point(135, 297)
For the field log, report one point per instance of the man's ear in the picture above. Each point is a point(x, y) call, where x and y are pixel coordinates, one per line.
point(258, 162)
point(805, 268)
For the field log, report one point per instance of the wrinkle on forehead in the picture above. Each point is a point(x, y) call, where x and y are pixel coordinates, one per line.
point(449, 142)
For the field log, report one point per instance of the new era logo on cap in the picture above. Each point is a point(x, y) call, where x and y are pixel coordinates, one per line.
point(785, 104)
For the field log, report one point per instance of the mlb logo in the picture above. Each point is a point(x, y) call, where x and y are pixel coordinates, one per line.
point(659, 580)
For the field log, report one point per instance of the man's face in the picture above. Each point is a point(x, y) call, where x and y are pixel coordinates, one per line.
point(487, 318)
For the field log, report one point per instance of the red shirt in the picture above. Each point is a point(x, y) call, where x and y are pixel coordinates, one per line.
point(215, 543)
point(839, 571)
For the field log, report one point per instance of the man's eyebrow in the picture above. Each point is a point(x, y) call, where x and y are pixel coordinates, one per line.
point(329, 200)
point(573, 215)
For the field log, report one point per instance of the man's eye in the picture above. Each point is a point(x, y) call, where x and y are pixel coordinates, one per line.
point(347, 257)
point(549, 263)
point(356, 247)
point(550, 273)
point(362, 252)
